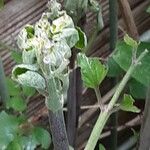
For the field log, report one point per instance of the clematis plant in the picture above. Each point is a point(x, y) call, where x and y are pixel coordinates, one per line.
point(46, 49)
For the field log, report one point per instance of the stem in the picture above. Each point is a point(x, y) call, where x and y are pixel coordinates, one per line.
point(58, 130)
point(103, 117)
point(98, 95)
point(56, 117)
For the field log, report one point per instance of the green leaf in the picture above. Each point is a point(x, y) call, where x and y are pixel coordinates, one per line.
point(42, 136)
point(129, 41)
point(26, 75)
point(17, 103)
point(82, 39)
point(114, 70)
point(127, 104)
point(93, 72)
point(123, 57)
point(28, 91)
point(16, 56)
point(101, 147)
point(8, 129)
point(137, 90)
point(12, 87)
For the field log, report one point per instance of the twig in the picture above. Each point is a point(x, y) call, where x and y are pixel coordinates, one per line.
point(103, 117)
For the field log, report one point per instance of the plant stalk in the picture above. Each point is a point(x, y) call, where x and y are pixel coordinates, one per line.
point(56, 118)
point(103, 117)
point(98, 95)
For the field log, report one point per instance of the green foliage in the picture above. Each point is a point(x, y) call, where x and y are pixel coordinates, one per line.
point(137, 90)
point(8, 129)
point(14, 145)
point(42, 137)
point(13, 88)
point(18, 95)
point(82, 42)
point(101, 147)
point(93, 72)
point(17, 103)
point(123, 57)
point(12, 137)
point(127, 104)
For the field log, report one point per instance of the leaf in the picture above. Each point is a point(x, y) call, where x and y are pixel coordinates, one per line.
point(123, 57)
point(12, 87)
point(28, 91)
point(8, 129)
point(69, 34)
point(17, 103)
point(82, 42)
point(114, 69)
point(127, 104)
point(42, 136)
point(101, 147)
point(93, 72)
point(16, 56)
point(137, 90)
point(129, 41)
point(28, 56)
point(26, 75)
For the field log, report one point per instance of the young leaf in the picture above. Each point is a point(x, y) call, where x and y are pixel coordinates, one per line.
point(82, 39)
point(17, 103)
point(137, 90)
point(93, 72)
point(129, 41)
point(123, 57)
point(26, 75)
point(127, 104)
point(101, 147)
point(8, 129)
point(69, 34)
point(42, 136)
